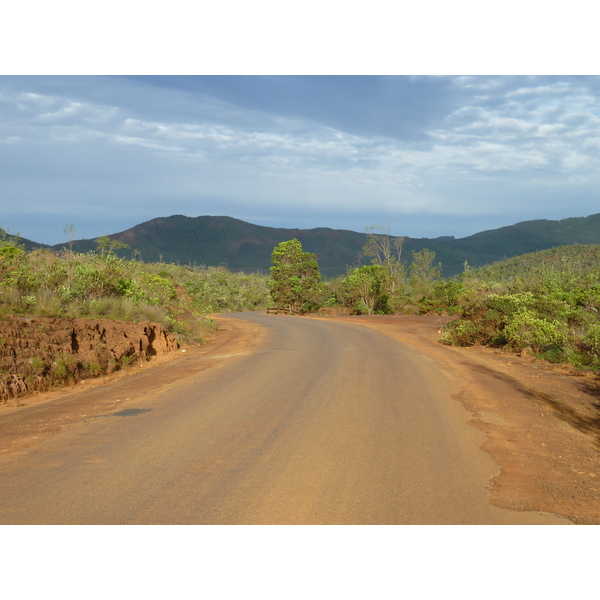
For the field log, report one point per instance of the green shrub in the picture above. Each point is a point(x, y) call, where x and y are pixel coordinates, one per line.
point(9, 253)
point(156, 289)
point(364, 290)
point(94, 369)
point(524, 328)
point(461, 333)
point(591, 340)
point(65, 367)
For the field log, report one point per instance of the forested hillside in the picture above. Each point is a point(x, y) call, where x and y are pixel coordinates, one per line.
point(241, 246)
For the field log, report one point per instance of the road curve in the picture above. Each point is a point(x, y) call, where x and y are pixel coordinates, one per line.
point(323, 423)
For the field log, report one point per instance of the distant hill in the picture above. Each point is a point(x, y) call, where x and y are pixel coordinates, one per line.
point(238, 245)
point(488, 247)
point(21, 241)
point(241, 246)
point(531, 236)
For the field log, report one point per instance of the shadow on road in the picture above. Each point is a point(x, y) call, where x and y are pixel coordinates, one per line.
point(130, 412)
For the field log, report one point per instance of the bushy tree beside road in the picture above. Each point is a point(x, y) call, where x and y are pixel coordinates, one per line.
point(366, 290)
point(295, 283)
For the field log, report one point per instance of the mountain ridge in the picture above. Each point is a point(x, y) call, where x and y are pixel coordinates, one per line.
point(242, 246)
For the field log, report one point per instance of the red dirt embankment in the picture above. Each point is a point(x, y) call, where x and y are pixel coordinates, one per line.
point(39, 353)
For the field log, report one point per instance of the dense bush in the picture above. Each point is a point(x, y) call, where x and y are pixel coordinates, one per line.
point(295, 282)
point(364, 290)
point(387, 286)
point(548, 302)
point(69, 284)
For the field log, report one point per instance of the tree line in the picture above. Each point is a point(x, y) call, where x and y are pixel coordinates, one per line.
point(385, 286)
point(546, 303)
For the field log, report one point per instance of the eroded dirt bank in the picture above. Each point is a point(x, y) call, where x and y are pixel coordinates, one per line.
point(39, 353)
point(542, 422)
point(41, 415)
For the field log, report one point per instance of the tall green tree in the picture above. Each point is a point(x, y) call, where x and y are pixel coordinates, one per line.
point(295, 282)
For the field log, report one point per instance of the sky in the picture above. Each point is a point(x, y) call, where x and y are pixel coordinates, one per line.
point(426, 155)
point(426, 120)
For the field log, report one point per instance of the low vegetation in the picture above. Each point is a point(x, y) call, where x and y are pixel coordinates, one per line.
point(546, 303)
point(102, 285)
point(389, 284)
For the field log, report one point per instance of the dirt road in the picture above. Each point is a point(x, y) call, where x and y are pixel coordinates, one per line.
point(301, 420)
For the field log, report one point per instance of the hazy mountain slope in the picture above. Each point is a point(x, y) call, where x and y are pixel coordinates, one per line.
point(238, 245)
point(211, 241)
point(21, 241)
point(530, 236)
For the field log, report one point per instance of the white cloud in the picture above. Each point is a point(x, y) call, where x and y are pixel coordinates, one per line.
point(498, 140)
point(506, 137)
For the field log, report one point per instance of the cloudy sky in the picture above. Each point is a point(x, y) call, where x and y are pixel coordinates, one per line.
point(431, 155)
